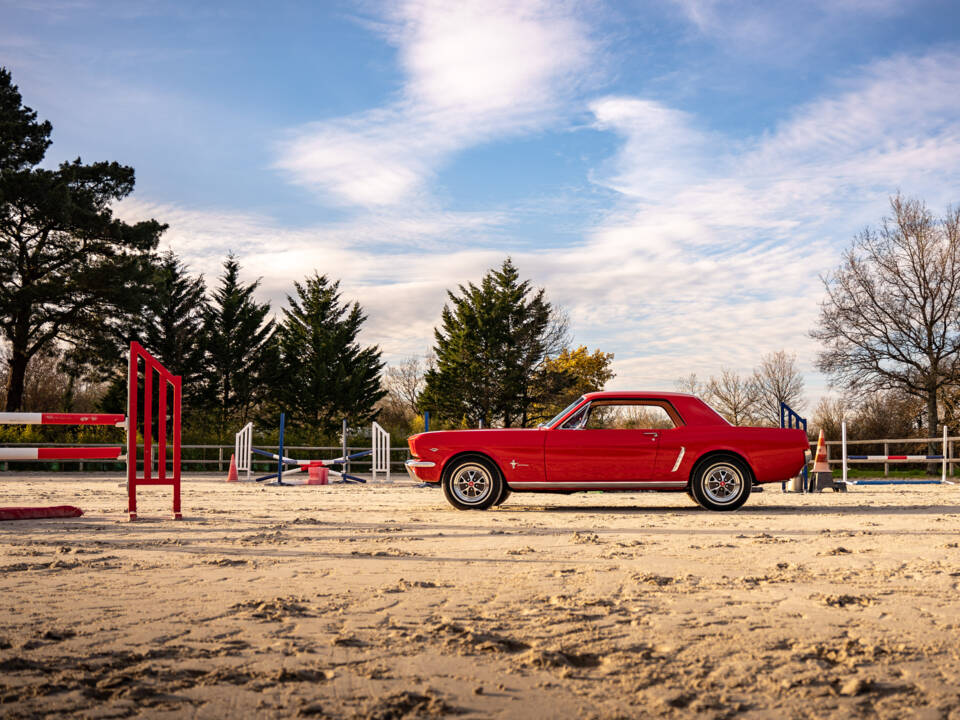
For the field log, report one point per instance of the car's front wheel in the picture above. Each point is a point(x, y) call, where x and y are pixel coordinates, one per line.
point(472, 482)
point(721, 483)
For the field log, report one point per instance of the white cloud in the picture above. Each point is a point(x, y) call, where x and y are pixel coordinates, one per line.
point(474, 71)
point(711, 258)
point(770, 28)
point(724, 266)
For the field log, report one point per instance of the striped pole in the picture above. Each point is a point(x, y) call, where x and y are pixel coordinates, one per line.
point(891, 458)
point(70, 453)
point(19, 418)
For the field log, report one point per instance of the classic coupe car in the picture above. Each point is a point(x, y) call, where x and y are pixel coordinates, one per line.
point(611, 441)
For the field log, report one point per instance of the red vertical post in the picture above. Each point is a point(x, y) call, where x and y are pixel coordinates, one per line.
point(162, 429)
point(147, 421)
point(132, 433)
point(164, 379)
point(177, 387)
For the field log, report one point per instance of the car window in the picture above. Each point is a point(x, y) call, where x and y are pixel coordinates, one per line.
point(576, 421)
point(556, 418)
point(628, 416)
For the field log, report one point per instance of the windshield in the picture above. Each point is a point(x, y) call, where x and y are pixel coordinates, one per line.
point(556, 418)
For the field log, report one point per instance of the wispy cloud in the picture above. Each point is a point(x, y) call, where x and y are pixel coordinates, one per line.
point(474, 71)
point(770, 28)
point(710, 257)
point(719, 246)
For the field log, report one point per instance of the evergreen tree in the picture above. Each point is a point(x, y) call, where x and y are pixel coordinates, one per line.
point(69, 271)
point(325, 375)
point(171, 329)
point(491, 350)
point(238, 344)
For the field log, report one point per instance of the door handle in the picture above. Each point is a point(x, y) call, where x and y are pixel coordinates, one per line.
point(653, 435)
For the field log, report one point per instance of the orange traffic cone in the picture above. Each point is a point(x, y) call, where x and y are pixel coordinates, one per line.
point(232, 475)
point(822, 476)
point(820, 463)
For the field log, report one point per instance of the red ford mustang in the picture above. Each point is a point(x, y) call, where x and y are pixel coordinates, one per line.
point(611, 441)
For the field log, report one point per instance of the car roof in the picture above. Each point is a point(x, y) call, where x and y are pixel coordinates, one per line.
point(692, 410)
point(635, 394)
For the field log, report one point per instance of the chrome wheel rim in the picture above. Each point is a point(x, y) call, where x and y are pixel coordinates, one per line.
point(723, 483)
point(471, 483)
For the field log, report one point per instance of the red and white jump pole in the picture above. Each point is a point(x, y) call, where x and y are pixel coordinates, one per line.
point(129, 422)
point(72, 453)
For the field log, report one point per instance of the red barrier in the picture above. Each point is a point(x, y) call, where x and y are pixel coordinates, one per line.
point(39, 513)
point(165, 381)
point(69, 453)
point(22, 418)
point(131, 422)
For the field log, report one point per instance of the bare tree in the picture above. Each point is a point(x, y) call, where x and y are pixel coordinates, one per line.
point(891, 318)
point(892, 414)
point(693, 385)
point(404, 382)
point(47, 387)
point(734, 396)
point(828, 416)
point(778, 381)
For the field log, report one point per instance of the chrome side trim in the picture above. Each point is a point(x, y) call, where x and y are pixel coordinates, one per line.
point(679, 459)
point(420, 463)
point(409, 466)
point(597, 485)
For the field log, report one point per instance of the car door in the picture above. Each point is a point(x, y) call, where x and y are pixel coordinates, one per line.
point(610, 441)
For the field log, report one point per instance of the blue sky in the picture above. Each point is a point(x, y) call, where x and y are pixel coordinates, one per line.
point(676, 173)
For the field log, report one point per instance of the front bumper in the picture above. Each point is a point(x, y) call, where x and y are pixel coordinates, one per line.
point(414, 463)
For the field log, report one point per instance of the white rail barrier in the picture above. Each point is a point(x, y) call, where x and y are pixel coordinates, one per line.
point(243, 449)
point(380, 439)
point(892, 458)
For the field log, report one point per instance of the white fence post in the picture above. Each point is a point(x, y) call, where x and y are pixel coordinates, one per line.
point(944, 478)
point(380, 439)
point(843, 443)
point(243, 449)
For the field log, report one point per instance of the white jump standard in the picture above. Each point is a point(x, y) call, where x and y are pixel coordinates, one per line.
point(244, 452)
point(893, 458)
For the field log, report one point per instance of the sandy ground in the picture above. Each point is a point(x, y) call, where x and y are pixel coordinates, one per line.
point(384, 602)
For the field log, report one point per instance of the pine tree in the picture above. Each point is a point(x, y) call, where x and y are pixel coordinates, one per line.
point(491, 350)
point(70, 272)
point(238, 345)
point(170, 327)
point(326, 375)
point(174, 324)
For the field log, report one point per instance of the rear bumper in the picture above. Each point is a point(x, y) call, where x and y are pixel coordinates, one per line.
point(414, 464)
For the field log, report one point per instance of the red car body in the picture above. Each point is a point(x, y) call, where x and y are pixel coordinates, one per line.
point(554, 458)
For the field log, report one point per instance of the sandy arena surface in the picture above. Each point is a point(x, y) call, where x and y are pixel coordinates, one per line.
point(384, 602)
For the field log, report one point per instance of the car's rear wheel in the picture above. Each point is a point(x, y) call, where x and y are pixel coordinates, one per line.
point(722, 482)
point(472, 482)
